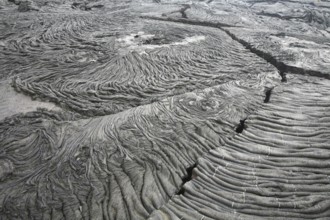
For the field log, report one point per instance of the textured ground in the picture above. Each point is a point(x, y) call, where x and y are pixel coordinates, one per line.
point(164, 109)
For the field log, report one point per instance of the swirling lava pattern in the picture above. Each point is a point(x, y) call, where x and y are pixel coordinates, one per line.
point(164, 110)
point(131, 76)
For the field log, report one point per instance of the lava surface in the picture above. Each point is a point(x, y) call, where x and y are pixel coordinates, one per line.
point(164, 109)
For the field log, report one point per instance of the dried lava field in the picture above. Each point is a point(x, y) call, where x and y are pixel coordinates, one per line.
point(164, 109)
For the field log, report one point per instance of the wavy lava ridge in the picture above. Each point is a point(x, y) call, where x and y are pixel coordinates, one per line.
point(276, 168)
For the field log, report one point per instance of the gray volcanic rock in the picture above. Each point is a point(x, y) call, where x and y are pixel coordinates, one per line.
point(277, 168)
point(292, 35)
point(111, 71)
point(166, 109)
point(131, 162)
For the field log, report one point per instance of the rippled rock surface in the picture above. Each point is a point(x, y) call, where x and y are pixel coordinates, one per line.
point(164, 109)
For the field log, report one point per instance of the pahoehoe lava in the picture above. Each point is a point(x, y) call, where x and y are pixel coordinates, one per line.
point(164, 109)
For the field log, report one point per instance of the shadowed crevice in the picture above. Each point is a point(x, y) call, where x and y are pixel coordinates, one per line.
point(279, 65)
point(191, 22)
point(186, 178)
point(183, 11)
point(268, 93)
point(241, 126)
point(282, 67)
point(283, 76)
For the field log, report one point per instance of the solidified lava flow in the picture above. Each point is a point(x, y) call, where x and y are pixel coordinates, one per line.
point(164, 109)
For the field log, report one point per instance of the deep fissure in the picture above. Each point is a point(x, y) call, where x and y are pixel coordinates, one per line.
point(268, 93)
point(241, 126)
point(186, 178)
point(183, 11)
point(283, 76)
point(279, 65)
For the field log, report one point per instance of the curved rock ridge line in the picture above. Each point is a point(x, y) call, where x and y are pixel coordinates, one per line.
point(122, 166)
point(277, 168)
